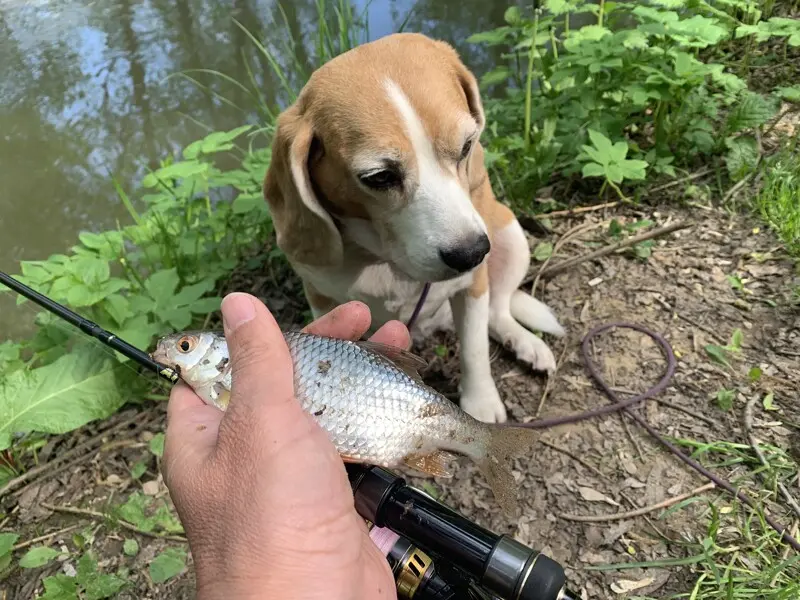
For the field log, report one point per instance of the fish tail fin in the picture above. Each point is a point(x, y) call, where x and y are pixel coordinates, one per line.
point(504, 444)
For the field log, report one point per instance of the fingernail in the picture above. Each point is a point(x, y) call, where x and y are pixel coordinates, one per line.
point(237, 309)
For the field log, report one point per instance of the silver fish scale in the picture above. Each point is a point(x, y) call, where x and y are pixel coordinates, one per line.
point(371, 409)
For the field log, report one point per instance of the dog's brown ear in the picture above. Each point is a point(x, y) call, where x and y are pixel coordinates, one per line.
point(305, 231)
point(468, 83)
point(476, 169)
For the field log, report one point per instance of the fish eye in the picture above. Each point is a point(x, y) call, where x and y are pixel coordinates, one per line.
point(186, 344)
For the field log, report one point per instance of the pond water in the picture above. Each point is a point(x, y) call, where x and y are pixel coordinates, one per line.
point(90, 90)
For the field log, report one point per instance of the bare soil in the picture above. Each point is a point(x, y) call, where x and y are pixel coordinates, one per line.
point(596, 467)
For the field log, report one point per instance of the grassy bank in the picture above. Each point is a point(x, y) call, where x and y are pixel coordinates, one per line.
point(641, 96)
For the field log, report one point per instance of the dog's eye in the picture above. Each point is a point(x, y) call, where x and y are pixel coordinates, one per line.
point(465, 150)
point(381, 180)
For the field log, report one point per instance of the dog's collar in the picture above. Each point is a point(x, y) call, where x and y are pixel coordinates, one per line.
point(418, 307)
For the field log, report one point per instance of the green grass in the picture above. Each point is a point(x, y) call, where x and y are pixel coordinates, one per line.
point(738, 556)
point(778, 201)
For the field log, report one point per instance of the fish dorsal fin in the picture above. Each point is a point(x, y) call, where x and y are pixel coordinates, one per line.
point(409, 363)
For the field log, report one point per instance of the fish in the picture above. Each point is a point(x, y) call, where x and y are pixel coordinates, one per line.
point(371, 401)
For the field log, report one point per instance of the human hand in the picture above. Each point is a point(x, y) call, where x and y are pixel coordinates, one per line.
point(260, 489)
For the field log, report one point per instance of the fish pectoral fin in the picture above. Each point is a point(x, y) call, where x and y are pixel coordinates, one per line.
point(432, 463)
point(408, 362)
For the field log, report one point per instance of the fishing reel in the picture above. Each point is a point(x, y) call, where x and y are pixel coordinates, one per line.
point(437, 554)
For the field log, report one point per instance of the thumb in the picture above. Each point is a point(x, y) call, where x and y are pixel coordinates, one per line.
point(261, 366)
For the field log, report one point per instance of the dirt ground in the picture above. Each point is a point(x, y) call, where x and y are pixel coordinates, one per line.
point(597, 467)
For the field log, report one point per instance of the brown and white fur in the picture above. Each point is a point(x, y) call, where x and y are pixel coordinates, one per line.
point(404, 113)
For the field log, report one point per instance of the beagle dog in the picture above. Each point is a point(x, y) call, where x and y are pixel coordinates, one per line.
point(377, 186)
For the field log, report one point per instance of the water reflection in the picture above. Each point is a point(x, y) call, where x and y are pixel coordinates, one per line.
point(88, 91)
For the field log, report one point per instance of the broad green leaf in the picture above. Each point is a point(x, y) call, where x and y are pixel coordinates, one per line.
point(139, 511)
point(558, 7)
point(614, 173)
point(512, 15)
point(635, 40)
point(75, 389)
point(698, 31)
point(496, 75)
point(176, 171)
point(60, 587)
point(596, 155)
point(118, 307)
point(138, 331)
point(601, 142)
point(750, 111)
point(244, 203)
point(206, 305)
point(167, 565)
point(138, 469)
point(633, 169)
point(543, 251)
point(742, 156)
point(619, 151)
point(660, 16)
point(768, 402)
point(593, 170)
point(669, 3)
point(7, 541)
point(191, 293)
point(130, 547)
point(38, 556)
point(92, 271)
point(96, 585)
point(178, 318)
point(496, 36)
point(157, 444)
point(790, 94)
point(219, 140)
point(161, 286)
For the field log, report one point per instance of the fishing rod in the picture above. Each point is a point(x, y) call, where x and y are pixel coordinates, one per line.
point(90, 328)
point(435, 553)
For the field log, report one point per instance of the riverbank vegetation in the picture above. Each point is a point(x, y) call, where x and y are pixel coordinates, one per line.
point(593, 103)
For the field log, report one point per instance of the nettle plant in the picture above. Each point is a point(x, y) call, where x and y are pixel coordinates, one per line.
point(157, 275)
point(625, 94)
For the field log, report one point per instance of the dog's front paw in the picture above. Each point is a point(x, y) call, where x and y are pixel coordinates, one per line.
point(534, 352)
point(483, 403)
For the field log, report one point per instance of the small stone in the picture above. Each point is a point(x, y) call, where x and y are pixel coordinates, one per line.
point(150, 488)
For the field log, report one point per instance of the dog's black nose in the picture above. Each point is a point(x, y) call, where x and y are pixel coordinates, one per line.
point(467, 256)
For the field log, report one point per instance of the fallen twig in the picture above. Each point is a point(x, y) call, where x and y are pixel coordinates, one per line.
point(666, 186)
point(639, 511)
point(550, 379)
point(93, 441)
point(567, 264)
point(577, 211)
point(689, 412)
point(575, 457)
point(748, 429)
point(144, 419)
point(569, 235)
point(42, 538)
point(98, 515)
